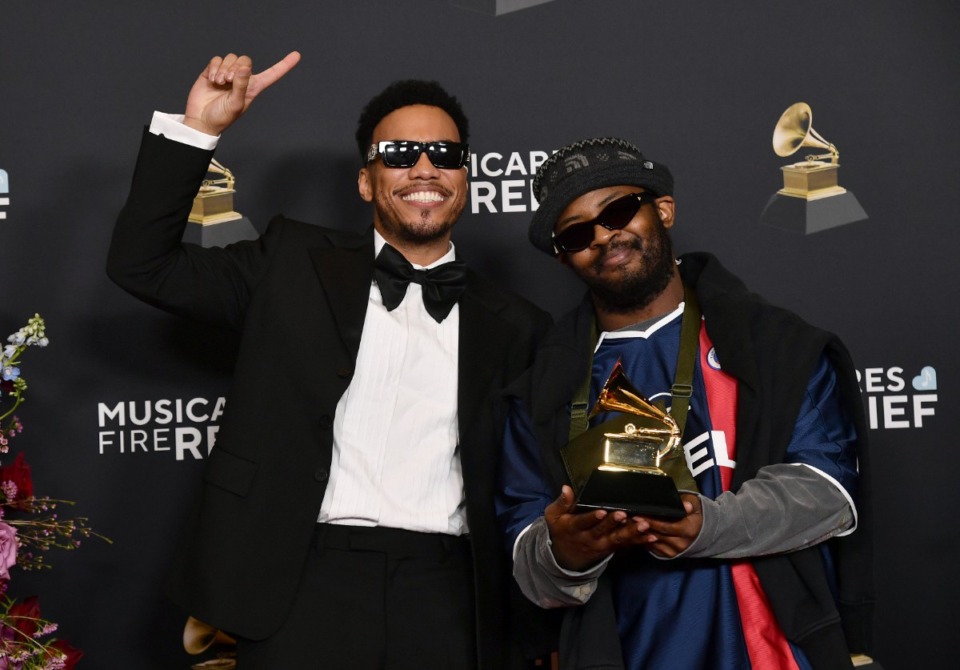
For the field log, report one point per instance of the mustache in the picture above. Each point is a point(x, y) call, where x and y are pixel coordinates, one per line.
point(615, 246)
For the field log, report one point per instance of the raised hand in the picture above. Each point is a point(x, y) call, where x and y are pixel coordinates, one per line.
point(226, 88)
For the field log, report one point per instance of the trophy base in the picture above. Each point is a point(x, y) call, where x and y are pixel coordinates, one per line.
point(636, 493)
point(497, 7)
point(220, 234)
point(811, 216)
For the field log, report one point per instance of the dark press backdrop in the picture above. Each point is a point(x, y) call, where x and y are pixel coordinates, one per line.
point(123, 405)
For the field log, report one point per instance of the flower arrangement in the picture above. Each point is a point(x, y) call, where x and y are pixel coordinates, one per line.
point(29, 526)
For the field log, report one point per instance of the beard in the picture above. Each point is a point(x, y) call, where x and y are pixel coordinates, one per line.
point(628, 290)
point(424, 229)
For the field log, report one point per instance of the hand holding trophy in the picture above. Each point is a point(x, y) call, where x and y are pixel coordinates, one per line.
point(633, 461)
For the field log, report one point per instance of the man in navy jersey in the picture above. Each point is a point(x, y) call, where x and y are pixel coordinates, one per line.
point(764, 570)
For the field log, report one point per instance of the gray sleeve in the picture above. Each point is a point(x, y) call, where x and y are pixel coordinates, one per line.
point(544, 582)
point(786, 507)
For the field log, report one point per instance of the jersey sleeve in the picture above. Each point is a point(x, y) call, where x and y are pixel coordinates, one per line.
point(522, 494)
point(824, 436)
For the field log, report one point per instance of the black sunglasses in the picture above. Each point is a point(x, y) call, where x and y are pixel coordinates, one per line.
point(406, 153)
point(614, 216)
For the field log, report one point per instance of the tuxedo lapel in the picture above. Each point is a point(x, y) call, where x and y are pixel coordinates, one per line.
point(484, 336)
point(345, 273)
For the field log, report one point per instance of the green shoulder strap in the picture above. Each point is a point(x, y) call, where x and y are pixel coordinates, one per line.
point(682, 388)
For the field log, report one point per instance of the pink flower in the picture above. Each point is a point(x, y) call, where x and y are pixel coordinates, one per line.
point(8, 549)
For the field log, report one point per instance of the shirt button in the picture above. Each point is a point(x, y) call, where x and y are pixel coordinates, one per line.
point(321, 475)
point(345, 373)
point(326, 422)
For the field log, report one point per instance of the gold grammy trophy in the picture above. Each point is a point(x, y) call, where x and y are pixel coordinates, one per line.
point(811, 199)
point(215, 222)
point(633, 461)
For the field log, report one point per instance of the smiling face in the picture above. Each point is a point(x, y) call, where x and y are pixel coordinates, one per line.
point(415, 207)
point(630, 271)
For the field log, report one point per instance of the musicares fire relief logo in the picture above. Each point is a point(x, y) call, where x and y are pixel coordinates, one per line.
point(180, 427)
point(898, 399)
point(4, 192)
point(497, 7)
point(504, 182)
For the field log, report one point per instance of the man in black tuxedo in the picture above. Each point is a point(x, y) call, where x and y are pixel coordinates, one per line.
point(346, 517)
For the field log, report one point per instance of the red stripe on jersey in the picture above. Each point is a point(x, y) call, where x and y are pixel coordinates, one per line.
point(766, 644)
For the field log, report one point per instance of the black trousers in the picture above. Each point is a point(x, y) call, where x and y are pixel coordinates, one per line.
point(377, 598)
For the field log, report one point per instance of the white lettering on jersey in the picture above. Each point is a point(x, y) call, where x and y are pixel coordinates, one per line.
point(697, 452)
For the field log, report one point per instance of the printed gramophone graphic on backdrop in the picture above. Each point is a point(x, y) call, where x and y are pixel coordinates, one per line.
point(811, 199)
point(496, 7)
point(214, 201)
point(215, 222)
point(633, 461)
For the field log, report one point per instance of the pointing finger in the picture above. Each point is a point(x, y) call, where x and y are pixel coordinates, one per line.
point(278, 70)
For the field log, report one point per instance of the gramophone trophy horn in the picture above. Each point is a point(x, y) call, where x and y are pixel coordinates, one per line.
point(633, 461)
point(199, 636)
point(813, 178)
point(795, 130)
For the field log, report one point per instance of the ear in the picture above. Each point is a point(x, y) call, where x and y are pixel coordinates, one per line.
point(666, 207)
point(365, 184)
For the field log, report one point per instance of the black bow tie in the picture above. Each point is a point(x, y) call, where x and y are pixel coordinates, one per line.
point(442, 285)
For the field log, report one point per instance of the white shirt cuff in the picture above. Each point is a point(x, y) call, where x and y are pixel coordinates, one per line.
point(172, 127)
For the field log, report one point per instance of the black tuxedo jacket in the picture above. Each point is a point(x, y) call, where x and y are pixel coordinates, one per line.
point(298, 296)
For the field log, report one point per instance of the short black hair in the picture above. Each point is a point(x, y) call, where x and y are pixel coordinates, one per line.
point(404, 93)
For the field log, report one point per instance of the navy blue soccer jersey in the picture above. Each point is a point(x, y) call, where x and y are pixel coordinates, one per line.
point(680, 613)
